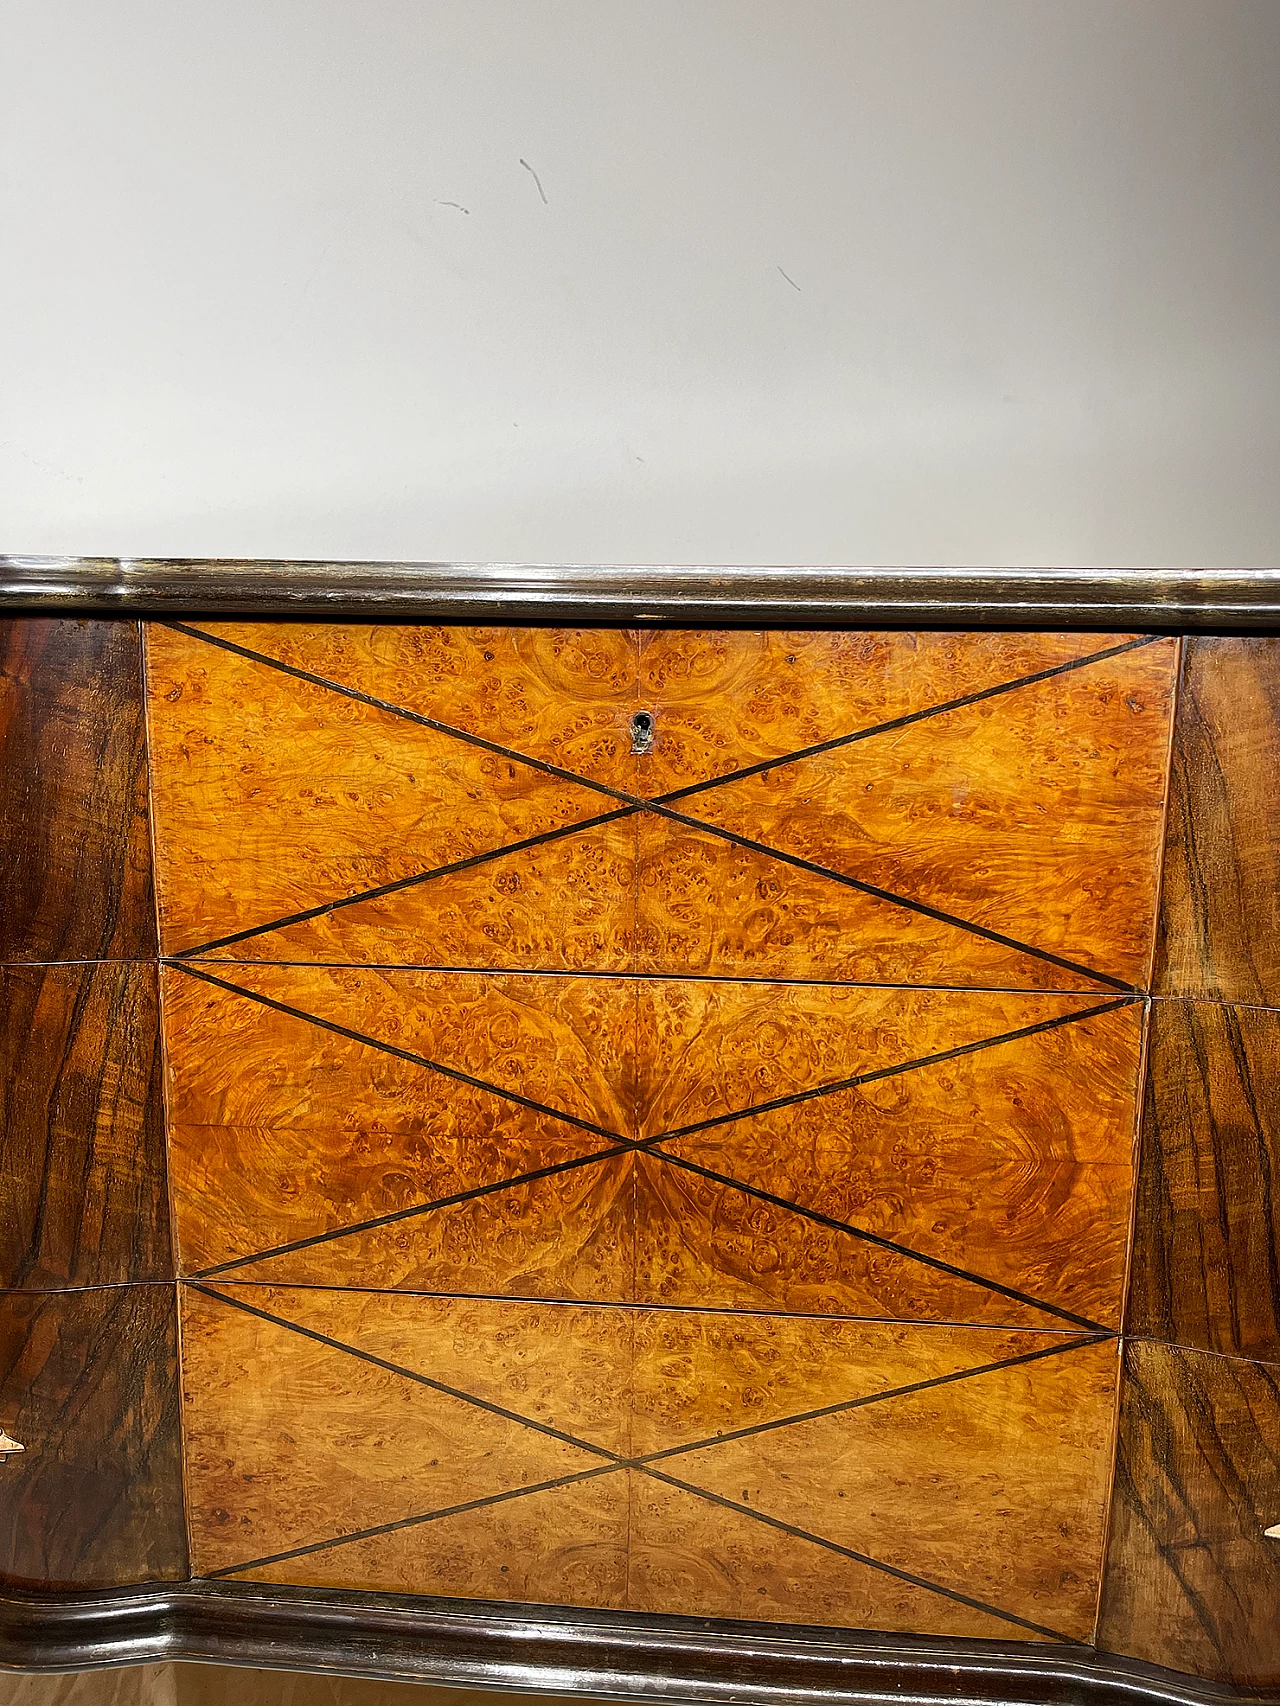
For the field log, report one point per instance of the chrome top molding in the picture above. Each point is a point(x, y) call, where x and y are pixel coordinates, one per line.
point(1133, 599)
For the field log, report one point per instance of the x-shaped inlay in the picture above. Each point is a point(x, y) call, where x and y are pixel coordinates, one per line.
point(615, 1143)
point(618, 1143)
point(612, 1462)
point(663, 805)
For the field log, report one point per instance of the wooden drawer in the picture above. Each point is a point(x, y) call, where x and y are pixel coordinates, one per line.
point(632, 1096)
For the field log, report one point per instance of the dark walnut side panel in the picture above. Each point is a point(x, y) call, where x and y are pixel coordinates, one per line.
point(89, 1385)
point(1206, 1255)
point(1191, 1582)
point(82, 1163)
point(1219, 934)
point(75, 858)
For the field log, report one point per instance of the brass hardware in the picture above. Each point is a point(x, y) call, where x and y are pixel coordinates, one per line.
point(642, 732)
point(8, 1447)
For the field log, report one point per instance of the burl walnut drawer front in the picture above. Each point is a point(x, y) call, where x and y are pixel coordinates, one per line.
point(651, 1116)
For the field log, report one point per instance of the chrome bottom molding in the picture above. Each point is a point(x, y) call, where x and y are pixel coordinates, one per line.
point(1117, 599)
point(621, 1656)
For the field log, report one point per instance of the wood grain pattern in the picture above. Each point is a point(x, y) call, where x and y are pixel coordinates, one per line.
point(1036, 814)
point(702, 1243)
point(290, 1442)
point(1206, 1258)
point(567, 905)
point(562, 1042)
point(698, 1376)
point(1011, 1164)
point(272, 795)
point(89, 1384)
point(1191, 1582)
point(82, 1165)
point(1219, 931)
point(75, 858)
point(719, 1398)
point(713, 1562)
point(570, 1235)
point(282, 1130)
point(708, 1049)
point(994, 1486)
point(728, 698)
point(705, 906)
point(1014, 1162)
point(566, 1546)
point(562, 695)
point(563, 1366)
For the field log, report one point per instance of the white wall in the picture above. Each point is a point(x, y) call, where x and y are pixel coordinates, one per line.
point(1030, 311)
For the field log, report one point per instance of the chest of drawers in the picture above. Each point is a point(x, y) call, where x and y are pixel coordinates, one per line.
point(638, 1123)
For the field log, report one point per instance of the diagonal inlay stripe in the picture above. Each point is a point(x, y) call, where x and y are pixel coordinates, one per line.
point(892, 724)
point(636, 802)
point(880, 1072)
point(887, 1244)
point(864, 1558)
point(616, 1462)
point(402, 883)
point(416, 1521)
point(623, 1145)
point(399, 1053)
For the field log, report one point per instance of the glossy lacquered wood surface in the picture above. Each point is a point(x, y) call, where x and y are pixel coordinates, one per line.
point(1220, 925)
point(1206, 1259)
point(470, 798)
point(645, 1458)
point(82, 1156)
point(75, 862)
point(1192, 1582)
point(604, 1176)
point(89, 1385)
point(944, 1154)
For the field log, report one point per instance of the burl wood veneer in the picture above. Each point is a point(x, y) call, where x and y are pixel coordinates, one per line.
point(974, 809)
point(693, 1180)
point(743, 1465)
point(75, 858)
point(946, 1154)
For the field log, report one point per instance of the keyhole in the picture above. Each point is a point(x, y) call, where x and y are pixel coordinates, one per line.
point(642, 732)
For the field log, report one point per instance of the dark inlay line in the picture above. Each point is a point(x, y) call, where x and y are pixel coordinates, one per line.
point(887, 1244)
point(874, 1398)
point(414, 1209)
point(613, 976)
point(648, 1145)
point(637, 802)
point(406, 715)
point(407, 1373)
point(876, 893)
point(409, 882)
point(642, 1463)
point(752, 1313)
point(905, 721)
point(624, 1463)
point(399, 1053)
point(863, 1558)
point(408, 1522)
point(894, 1071)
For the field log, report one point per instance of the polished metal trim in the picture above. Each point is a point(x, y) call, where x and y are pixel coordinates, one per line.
point(543, 1650)
point(1145, 600)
